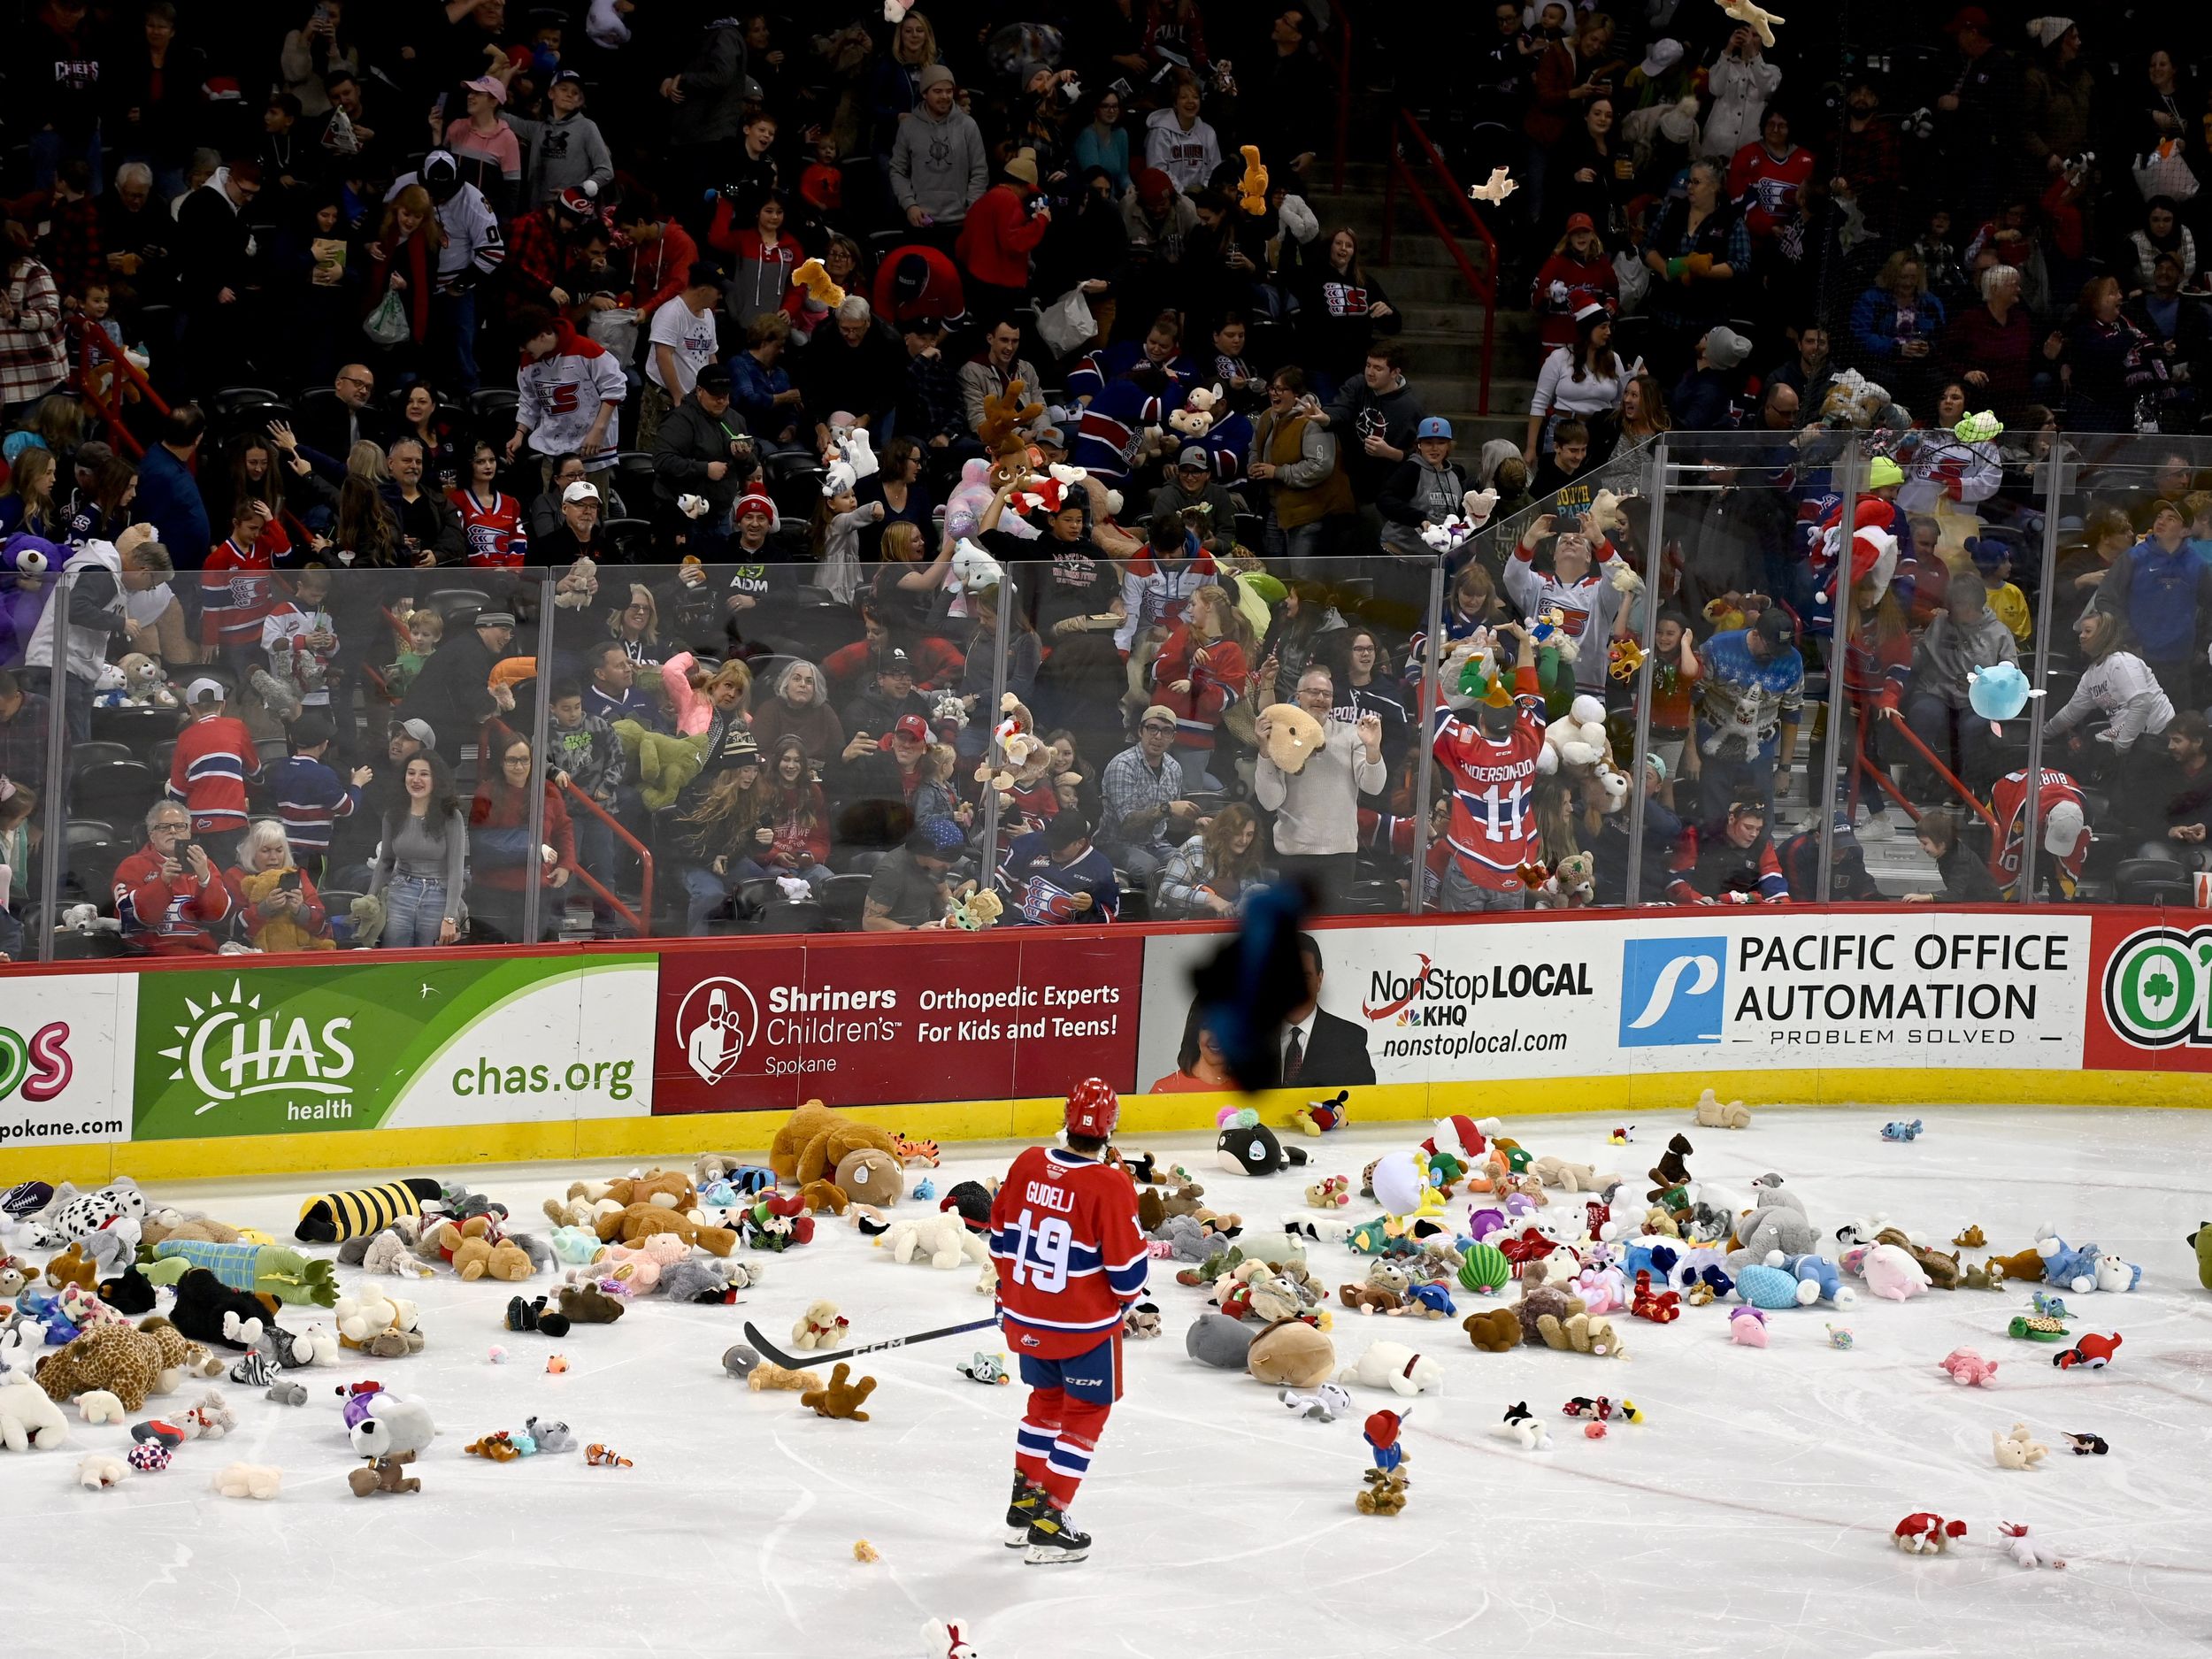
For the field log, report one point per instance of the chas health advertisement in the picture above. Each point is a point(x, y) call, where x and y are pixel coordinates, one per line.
point(285, 1050)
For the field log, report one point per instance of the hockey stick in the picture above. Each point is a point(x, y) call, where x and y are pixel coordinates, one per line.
point(794, 1361)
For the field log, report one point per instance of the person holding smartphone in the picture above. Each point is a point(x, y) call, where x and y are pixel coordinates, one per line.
point(169, 897)
point(275, 907)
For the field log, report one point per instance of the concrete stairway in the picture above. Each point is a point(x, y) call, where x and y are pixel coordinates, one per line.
point(1443, 321)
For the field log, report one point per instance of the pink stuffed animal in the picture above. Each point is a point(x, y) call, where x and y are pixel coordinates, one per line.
point(1747, 1326)
point(1892, 1272)
point(1966, 1368)
point(636, 1269)
point(1602, 1290)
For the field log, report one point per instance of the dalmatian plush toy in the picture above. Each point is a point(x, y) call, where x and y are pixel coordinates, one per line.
point(106, 1224)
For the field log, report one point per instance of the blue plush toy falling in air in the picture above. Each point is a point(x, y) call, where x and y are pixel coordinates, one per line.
point(1998, 694)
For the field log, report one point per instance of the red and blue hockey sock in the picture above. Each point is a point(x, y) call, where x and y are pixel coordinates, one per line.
point(1081, 1422)
point(1040, 1429)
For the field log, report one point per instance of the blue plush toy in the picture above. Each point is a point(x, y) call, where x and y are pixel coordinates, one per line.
point(2065, 1266)
point(1434, 1298)
point(1902, 1131)
point(926, 1189)
point(1819, 1276)
point(2053, 1307)
point(1652, 1255)
point(1769, 1287)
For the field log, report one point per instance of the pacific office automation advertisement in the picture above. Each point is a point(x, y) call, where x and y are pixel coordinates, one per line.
point(64, 1058)
point(1714, 991)
point(1013, 1014)
point(394, 1045)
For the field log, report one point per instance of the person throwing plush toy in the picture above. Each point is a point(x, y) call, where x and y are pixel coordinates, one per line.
point(1071, 1262)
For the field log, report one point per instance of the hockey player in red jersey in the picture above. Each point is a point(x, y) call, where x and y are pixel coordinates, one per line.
point(1071, 1260)
point(1489, 754)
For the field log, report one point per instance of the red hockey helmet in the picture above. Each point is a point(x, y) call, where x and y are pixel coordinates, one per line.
point(1092, 1109)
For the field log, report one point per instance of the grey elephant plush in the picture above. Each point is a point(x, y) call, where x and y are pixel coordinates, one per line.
point(1216, 1339)
point(1780, 1224)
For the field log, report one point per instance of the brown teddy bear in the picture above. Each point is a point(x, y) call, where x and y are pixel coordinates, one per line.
point(841, 1398)
point(669, 1188)
point(820, 1196)
point(587, 1304)
point(643, 1221)
point(1291, 736)
point(814, 1140)
point(871, 1176)
point(1942, 1270)
point(1494, 1330)
point(2027, 1266)
point(475, 1253)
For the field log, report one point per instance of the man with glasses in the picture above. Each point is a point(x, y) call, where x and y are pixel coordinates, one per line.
point(578, 534)
point(168, 894)
point(1316, 832)
point(429, 528)
point(1144, 817)
point(875, 713)
point(328, 429)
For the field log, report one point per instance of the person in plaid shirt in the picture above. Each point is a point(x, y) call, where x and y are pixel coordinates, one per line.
point(33, 359)
point(1144, 816)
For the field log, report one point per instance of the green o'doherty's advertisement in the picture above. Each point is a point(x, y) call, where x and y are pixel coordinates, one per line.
point(252, 1051)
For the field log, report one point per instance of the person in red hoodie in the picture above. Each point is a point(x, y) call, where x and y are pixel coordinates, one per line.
point(238, 587)
point(169, 895)
point(800, 817)
point(1579, 273)
point(215, 756)
point(764, 256)
point(661, 252)
point(501, 856)
point(998, 237)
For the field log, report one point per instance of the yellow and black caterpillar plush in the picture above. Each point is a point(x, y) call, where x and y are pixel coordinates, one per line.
point(330, 1217)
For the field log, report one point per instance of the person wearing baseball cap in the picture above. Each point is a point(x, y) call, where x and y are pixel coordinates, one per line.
point(2063, 815)
point(1053, 875)
point(216, 758)
point(1061, 1204)
point(1192, 489)
point(1426, 489)
point(876, 712)
point(566, 150)
point(1579, 273)
point(907, 890)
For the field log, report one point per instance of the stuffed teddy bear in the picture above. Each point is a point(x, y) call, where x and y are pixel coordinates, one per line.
point(1942, 1270)
point(2064, 1265)
point(812, 279)
point(1573, 1178)
point(389, 1254)
point(640, 1222)
point(870, 1176)
point(942, 1240)
point(1494, 1330)
point(587, 1304)
point(29, 1417)
point(820, 1327)
point(814, 1140)
point(1777, 1227)
point(765, 1374)
point(1711, 1114)
point(668, 1188)
point(842, 1398)
point(1289, 735)
point(1383, 1292)
point(208, 1310)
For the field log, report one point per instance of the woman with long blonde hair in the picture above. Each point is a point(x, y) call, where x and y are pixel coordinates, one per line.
point(403, 260)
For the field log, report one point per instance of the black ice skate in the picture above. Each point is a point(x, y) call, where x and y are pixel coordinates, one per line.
point(1021, 1508)
point(1052, 1539)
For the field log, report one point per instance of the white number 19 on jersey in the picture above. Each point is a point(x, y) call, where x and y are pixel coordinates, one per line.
point(1040, 1255)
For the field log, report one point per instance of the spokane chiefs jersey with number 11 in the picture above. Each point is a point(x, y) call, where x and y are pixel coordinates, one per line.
point(1063, 1233)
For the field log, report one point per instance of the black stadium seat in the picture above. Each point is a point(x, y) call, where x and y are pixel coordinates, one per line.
point(119, 791)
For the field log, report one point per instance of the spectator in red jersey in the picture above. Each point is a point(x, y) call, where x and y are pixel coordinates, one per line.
point(214, 760)
point(1769, 176)
point(1072, 1262)
point(1488, 753)
point(491, 520)
point(1579, 273)
point(237, 587)
point(2062, 812)
point(168, 894)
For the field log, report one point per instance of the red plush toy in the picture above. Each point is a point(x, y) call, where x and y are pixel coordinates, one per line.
point(2092, 1352)
point(1661, 1309)
point(1925, 1533)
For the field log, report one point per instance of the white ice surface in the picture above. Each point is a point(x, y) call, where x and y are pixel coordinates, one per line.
point(1751, 1514)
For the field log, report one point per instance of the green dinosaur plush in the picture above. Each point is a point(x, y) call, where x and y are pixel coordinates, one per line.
point(263, 1269)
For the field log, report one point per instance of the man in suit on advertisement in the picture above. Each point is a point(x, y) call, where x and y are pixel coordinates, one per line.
point(1319, 1050)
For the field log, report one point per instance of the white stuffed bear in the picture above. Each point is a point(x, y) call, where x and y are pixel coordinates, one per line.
point(858, 451)
point(839, 479)
point(1578, 740)
point(942, 1238)
point(973, 569)
point(1394, 1366)
point(29, 1418)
